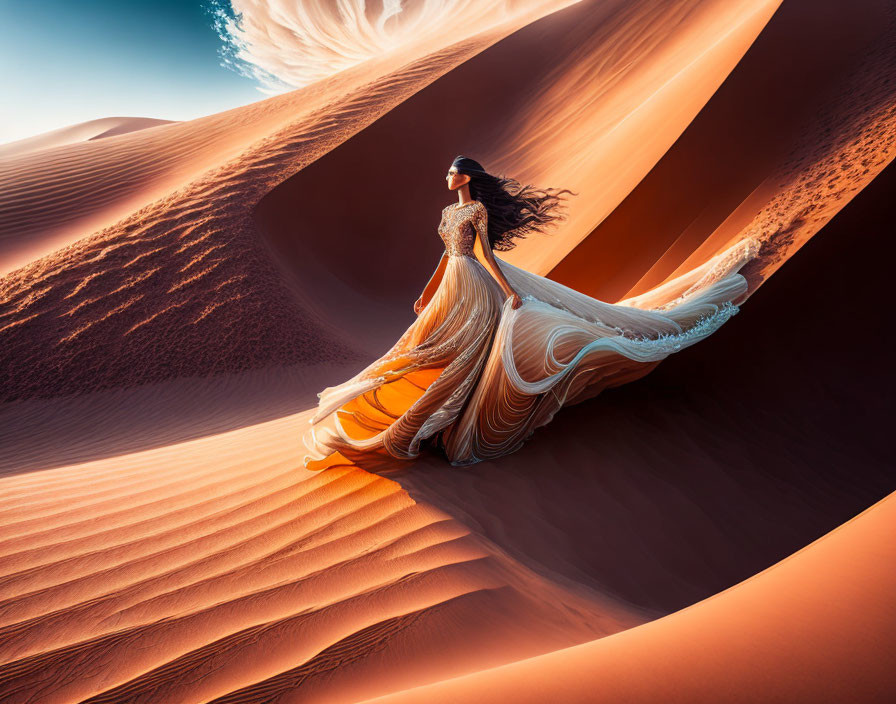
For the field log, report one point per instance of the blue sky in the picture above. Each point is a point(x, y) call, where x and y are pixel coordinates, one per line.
point(68, 61)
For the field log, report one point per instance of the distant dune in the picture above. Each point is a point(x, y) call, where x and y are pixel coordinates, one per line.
point(82, 132)
point(174, 295)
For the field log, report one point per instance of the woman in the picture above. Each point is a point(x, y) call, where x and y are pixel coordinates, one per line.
point(496, 350)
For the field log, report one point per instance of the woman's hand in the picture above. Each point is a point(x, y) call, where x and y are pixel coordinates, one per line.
point(419, 305)
point(516, 300)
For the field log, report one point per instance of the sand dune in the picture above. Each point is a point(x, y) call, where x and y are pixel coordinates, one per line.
point(818, 627)
point(223, 547)
point(159, 539)
point(775, 153)
point(272, 582)
point(82, 132)
point(59, 195)
point(190, 267)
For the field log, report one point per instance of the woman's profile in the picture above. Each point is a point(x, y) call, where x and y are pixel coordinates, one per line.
point(496, 350)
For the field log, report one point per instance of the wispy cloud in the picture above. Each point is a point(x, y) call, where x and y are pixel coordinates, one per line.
point(286, 44)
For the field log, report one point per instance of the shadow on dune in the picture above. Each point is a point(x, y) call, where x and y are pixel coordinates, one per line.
point(832, 71)
point(728, 457)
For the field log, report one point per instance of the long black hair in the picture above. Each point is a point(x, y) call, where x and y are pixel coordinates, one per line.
point(514, 209)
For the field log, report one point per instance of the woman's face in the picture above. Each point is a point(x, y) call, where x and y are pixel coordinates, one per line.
point(456, 180)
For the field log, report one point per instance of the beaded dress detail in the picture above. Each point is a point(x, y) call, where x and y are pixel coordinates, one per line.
point(458, 227)
point(475, 377)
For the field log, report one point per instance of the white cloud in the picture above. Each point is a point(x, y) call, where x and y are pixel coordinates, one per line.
point(286, 44)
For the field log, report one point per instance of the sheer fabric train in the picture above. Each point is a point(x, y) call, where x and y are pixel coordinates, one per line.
point(476, 377)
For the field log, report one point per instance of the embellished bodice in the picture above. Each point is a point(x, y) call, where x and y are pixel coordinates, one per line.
point(459, 226)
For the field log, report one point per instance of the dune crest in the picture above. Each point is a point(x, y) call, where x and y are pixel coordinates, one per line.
point(81, 132)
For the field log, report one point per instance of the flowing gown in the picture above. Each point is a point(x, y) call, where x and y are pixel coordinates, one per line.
point(475, 377)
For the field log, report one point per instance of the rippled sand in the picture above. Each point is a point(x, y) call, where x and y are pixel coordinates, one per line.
point(175, 293)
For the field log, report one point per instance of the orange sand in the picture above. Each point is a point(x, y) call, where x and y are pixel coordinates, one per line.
point(816, 627)
point(174, 294)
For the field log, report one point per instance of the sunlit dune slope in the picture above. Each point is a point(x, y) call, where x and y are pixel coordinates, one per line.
point(817, 627)
point(221, 568)
point(804, 122)
point(81, 132)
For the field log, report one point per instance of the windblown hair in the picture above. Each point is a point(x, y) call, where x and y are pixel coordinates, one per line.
point(514, 210)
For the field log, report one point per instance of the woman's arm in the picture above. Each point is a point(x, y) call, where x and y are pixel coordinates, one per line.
point(432, 285)
point(483, 251)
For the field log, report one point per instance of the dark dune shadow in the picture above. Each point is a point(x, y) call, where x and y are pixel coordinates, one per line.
point(748, 129)
point(728, 457)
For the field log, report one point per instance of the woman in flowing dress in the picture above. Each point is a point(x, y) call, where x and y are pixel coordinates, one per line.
point(496, 351)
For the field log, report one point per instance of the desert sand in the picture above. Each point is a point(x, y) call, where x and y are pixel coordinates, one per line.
point(800, 631)
point(175, 293)
point(82, 132)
